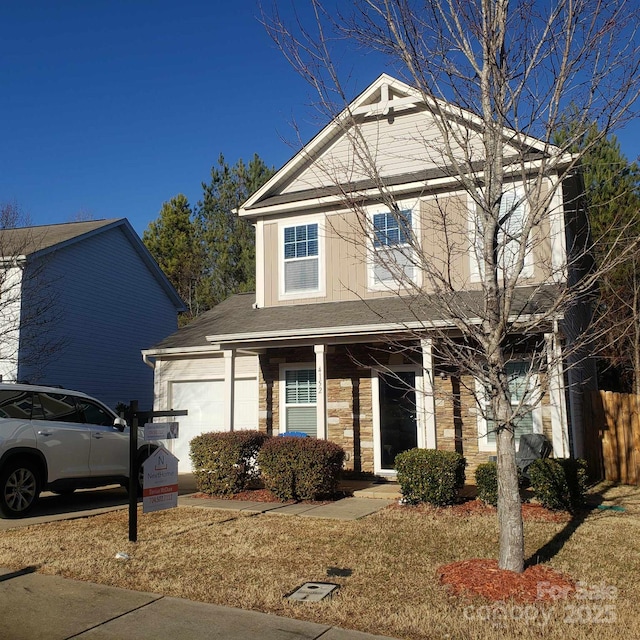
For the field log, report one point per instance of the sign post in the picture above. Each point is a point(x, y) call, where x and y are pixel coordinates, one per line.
point(133, 457)
point(133, 476)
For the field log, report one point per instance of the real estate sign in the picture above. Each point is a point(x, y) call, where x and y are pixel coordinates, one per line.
point(160, 481)
point(161, 430)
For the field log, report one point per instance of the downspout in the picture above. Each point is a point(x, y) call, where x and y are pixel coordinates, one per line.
point(149, 363)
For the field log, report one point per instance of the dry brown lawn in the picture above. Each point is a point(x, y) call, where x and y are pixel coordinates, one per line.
point(391, 558)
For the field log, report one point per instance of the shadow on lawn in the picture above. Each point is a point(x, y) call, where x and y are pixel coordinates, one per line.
point(553, 547)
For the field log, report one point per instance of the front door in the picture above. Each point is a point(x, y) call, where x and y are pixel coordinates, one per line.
point(398, 429)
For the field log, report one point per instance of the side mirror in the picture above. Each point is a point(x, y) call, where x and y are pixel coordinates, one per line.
point(120, 424)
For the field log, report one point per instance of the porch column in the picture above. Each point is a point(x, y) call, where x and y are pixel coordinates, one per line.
point(429, 405)
point(321, 384)
point(229, 375)
point(557, 396)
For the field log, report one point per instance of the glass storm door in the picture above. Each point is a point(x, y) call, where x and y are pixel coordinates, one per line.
point(398, 424)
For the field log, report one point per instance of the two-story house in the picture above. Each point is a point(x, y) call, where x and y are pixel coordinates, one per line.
point(339, 340)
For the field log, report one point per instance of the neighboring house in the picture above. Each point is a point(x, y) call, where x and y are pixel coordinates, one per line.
point(77, 303)
point(311, 349)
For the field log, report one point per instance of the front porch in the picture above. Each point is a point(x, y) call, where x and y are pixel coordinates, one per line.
point(376, 400)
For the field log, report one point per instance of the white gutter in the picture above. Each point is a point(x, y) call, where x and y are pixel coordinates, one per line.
point(145, 359)
point(179, 351)
point(13, 260)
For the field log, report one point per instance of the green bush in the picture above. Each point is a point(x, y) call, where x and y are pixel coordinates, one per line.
point(225, 463)
point(428, 475)
point(301, 468)
point(559, 483)
point(487, 482)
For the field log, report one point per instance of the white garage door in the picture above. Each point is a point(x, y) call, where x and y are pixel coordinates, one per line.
point(204, 400)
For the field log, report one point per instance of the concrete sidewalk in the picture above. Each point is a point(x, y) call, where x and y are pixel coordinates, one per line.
point(39, 607)
point(345, 509)
point(91, 502)
point(353, 508)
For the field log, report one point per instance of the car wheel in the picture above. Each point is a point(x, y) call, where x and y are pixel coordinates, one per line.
point(19, 488)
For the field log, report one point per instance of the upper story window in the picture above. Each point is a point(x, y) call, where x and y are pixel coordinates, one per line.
point(513, 216)
point(512, 211)
point(393, 256)
point(301, 258)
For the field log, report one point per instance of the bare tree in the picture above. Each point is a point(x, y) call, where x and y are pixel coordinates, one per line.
point(495, 79)
point(28, 310)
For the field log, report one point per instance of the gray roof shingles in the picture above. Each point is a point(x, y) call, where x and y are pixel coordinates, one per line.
point(236, 315)
point(28, 240)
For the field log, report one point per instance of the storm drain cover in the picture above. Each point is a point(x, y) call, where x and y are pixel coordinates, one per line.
point(313, 591)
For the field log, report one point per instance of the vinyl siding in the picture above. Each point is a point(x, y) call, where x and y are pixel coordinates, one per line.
point(206, 413)
point(409, 141)
point(442, 223)
point(10, 296)
point(185, 369)
point(108, 307)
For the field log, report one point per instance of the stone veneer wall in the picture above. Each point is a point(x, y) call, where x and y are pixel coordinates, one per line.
point(349, 403)
point(348, 392)
point(457, 420)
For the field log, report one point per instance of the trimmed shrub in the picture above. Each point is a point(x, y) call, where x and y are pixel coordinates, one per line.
point(487, 482)
point(559, 483)
point(301, 468)
point(225, 463)
point(428, 475)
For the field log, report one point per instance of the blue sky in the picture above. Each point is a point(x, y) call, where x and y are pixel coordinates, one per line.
point(111, 107)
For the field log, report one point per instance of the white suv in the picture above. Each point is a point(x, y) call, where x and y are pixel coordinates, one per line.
point(58, 440)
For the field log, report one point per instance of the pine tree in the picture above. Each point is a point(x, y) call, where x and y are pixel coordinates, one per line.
point(612, 195)
point(174, 242)
point(228, 240)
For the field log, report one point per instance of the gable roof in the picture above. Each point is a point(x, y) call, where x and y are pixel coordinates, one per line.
point(299, 180)
point(37, 241)
point(236, 321)
point(26, 241)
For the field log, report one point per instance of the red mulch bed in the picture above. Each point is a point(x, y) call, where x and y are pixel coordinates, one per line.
point(483, 578)
point(477, 507)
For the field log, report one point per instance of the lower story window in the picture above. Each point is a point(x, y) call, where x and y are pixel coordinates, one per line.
point(300, 404)
point(522, 390)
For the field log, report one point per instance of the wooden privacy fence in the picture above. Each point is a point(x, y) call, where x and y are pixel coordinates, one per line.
point(612, 435)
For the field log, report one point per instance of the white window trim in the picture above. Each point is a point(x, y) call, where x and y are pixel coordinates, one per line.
point(414, 207)
point(260, 274)
point(475, 271)
point(298, 366)
point(310, 293)
point(536, 414)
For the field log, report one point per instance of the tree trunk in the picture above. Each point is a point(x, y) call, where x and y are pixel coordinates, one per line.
point(511, 550)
